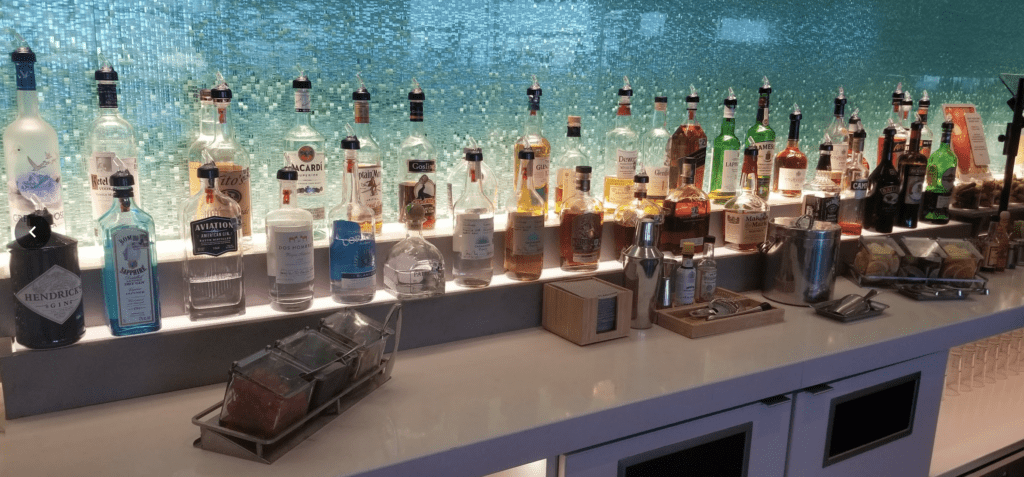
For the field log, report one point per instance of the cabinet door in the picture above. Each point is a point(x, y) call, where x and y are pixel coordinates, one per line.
point(748, 441)
point(878, 423)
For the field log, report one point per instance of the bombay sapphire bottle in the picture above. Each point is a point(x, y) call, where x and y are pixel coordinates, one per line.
point(353, 271)
point(130, 288)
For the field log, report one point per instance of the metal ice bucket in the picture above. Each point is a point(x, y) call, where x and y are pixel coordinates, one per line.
point(801, 257)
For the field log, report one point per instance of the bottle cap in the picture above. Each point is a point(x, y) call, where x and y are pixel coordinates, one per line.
point(417, 95)
point(105, 73)
point(121, 179)
point(287, 173)
point(692, 98)
point(709, 240)
point(534, 90)
point(302, 82)
point(641, 179)
point(825, 146)
point(889, 132)
point(205, 95)
point(916, 125)
point(766, 87)
point(361, 94)
point(473, 154)
point(23, 54)
point(221, 91)
point(208, 171)
point(583, 169)
point(625, 91)
point(687, 248)
point(350, 142)
point(730, 101)
point(574, 121)
point(662, 99)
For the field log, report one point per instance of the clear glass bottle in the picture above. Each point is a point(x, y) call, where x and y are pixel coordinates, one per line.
point(473, 236)
point(791, 163)
point(655, 152)
point(565, 165)
point(109, 147)
point(763, 138)
point(687, 213)
point(415, 268)
point(707, 272)
point(31, 151)
point(821, 194)
point(580, 226)
point(628, 215)
point(533, 134)
point(745, 222)
point(855, 147)
point(456, 180)
point(289, 248)
point(686, 277)
point(689, 140)
point(232, 160)
point(839, 135)
point(305, 149)
point(940, 175)
point(371, 169)
point(927, 137)
point(621, 153)
point(211, 231)
point(894, 119)
point(725, 167)
point(131, 289)
point(207, 124)
point(353, 248)
point(524, 234)
point(418, 185)
point(855, 181)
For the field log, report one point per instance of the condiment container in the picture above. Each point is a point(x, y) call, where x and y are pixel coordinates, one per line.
point(331, 365)
point(358, 332)
point(266, 394)
point(923, 257)
point(962, 259)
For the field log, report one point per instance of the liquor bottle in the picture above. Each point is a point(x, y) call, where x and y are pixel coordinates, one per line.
point(940, 175)
point(689, 140)
point(686, 277)
point(131, 290)
point(927, 137)
point(232, 160)
point(524, 234)
point(821, 194)
point(305, 150)
point(565, 165)
point(473, 237)
point(707, 272)
point(208, 117)
point(655, 152)
point(533, 134)
point(996, 245)
point(46, 282)
point(725, 167)
point(109, 147)
point(580, 226)
point(882, 203)
point(371, 171)
point(905, 106)
point(687, 213)
point(628, 215)
point(289, 248)
point(855, 147)
point(456, 180)
point(855, 181)
point(791, 163)
point(839, 135)
point(895, 119)
point(420, 158)
point(912, 165)
point(621, 152)
point(763, 137)
point(745, 222)
point(211, 229)
point(30, 150)
point(415, 267)
point(353, 270)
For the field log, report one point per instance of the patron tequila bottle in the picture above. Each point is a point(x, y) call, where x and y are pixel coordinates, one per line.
point(305, 150)
point(580, 226)
point(353, 249)
point(821, 194)
point(687, 214)
point(289, 248)
point(232, 160)
point(628, 215)
point(882, 203)
point(473, 237)
point(655, 152)
point(524, 234)
point(791, 163)
point(621, 152)
point(763, 138)
point(745, 222)
point(725, 168)
point(371, 172)
point(839, 135)
point(940, 175)
point(912, 170)
point(415, 268)
point(689, 140)
point(533, 134)
point(208, 117)
point(420, 158)
point(565, 165)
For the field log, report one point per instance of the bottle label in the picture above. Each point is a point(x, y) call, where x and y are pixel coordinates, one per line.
point(371, 191)
point(565, 184)
point(528, 232)
point(234, 183)
point(822, 208)
point(839, 156)
point(914, 185)
point(942, 203)
point(25, 74)
point(586, 238)
point(708, 284)
point(617, 191)
point(686, 284)
point(353, 252)
point(729, 112)
point(765, 154)
point(658, 187)
point(362, 111)
point(730, 170)
point(34, 170)
point(101, 166)
point(134, 277)
point(473, 238)
point(625, 164)
point(420, 166)
point(926, 147)
point(948, 178)
point(214, 236)
point(890, 198)
point(54, 295)
point(302, 104)
point(107, 94)
point(408, 271)
point(541, 168)
point(791, 179)
point(290, 254)
point(422, 192)
point(745, 227)
point(311, 165)
point(860, 188)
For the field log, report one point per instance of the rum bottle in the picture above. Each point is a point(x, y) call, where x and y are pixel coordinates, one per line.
point(763, 138)
point(882, 203)
point(689, 140)
point(565, 165)
point(371, 172)
point(473, 237)
point(289, 248)
point(940, 175)
point(726, 163)
point(524, 234)
point(580, 226)
point(687, 213)
point(232, 160)
point(305, 150)
point(821, 195)
point(655, 152)
point(533, 134)
point(621, 152)
point(745, 221)
point(418, 185)
point(912, 170)
point(628, 215)
point(353, 248)
point(791, 163)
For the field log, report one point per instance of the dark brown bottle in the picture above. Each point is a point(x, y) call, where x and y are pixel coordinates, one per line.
point(912, 169)
point(882, 205)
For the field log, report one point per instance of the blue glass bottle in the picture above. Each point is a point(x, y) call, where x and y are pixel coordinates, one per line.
point(130, 288)
point(353, 249)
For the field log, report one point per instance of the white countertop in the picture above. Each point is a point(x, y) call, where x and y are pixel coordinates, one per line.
point(482, 405)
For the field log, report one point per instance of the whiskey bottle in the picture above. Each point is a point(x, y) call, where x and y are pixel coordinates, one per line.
point(417, 152)
point(289, 248)
point(855, 181)
point(371, 172)
point(882, 203)
point(208, 117)
point(305, 150)
point(565, 165)
point(533, 134)
point(232, 160)
point(927, 137)
point(745, 222)
point(628, 215)
point(415, 267)
point(524, 234)
point(687, 214)
point(473, 237)
point(131, 290)
point(689, 140)
point(580, 226)
point(725, 167)
point(912, 170)
point(996, 245)
point(211, 229)
point(763, 137)
point(707, 272)
point(940, 175)
point(791, 163)
point(621, 153)
point(895, 119)
point(656, 145)
point(821, 195)
point(839, 135)
point(353, 249)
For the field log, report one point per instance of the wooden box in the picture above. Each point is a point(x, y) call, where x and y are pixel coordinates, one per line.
point(678, 319)
point(586, 310)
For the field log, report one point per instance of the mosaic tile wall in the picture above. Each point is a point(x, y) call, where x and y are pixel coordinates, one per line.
point(474, 59)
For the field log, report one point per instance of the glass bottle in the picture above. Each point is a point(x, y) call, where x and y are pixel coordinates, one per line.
point(628, 215)
point(232, 160)
point(655, 148)
point(371, 171)
point(31, 151)
point(533, 134)
point(707, 272)
point(996, 245)
point(131, 289)
point(289, 248)
point(207, 124)
point(686, 277)
point(353, 249)
point(420, 158)
point(791, 163)
point(580, 226)
point(882, 203)
point(763, 138)
point(621, 153)
point(940, 175)
point(912, 170)
point(745, 222)
point(687, 213)
point(839, 135)
point(688, 140)
point(821, 194)
point(456, 180)
point(895, 119)
point(211, 229)
point(473, 236)
point(855, 181)
point(725, 168)
point(565, 165)
point(855, 147)
point(415, 267)
point(109, 147)
point(927, 137)
point(524, 234)
point(305, 149)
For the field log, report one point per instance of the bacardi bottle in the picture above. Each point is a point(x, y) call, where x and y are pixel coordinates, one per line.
point(524, 244)
point(763, 138)
point(655, 152)
point(621, 153)
point(289, 248)
point(305, 150)
point(940, 175)
point(565, 165)
point(580, 226)
point(417, 152)
point(371, 171)
point(353, 248)
point(689, 140)
point(725, 167)
point(791, 163)
point(745, 222)
point(533, 134)
point(473, 237)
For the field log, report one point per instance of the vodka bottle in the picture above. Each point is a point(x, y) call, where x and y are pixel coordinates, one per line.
point(305, 150)
point(621, 153)
point(418, 185)
point(371, 171)
point(533, 135)
point(473, 237)
point(353, 249)
point(289, 248)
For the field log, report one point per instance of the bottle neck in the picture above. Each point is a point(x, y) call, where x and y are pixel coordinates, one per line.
point(762, 109)
point(28, 103)
point(362, 118)
point(574, 142)
point(534, 123)
point(794, 132)
point(660, 118)
point(691, 113)
point(639, 190)
point(210, 191)
point(350, 184)
point(222, 126)
point(583, 185)
point(302, 118)
point(417, 129)
point(624, 114)
point(887, 151)
point(947, 137)
point(207, 118)
point(729, 121)
point(824, 164)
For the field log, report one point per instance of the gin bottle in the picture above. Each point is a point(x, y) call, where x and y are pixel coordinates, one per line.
point(689, 140)
point(415, 267)
point(791, 163)
point(763, 138)
point(232, 160)
point(420, 158)
point(305, 150)
point(131, 290)
point(30, 150)
point(289, 248)
point(745, 222)
point(565, 165)
point(533, 135)
point(621, 152)
point(208, 117)
point(655, 147)
point(211, 229)
point(580, 227)
point(839, 135)
point(628, 215)
point(725, 167)
point(371, 172)
point(524, 234)
point(473, 237)
point(353, 249)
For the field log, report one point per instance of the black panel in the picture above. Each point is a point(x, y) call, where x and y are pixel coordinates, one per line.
point(872, 417)
point(721, 454)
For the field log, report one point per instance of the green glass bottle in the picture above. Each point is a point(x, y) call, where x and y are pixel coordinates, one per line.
point(763, 137)
point(940, 175)
point(725, 166)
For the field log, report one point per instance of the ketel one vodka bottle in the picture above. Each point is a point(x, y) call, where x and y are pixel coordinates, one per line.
point(289, 248)
point(654, 152)
point(940, 174)
point(725, 169)
point(371, 172)
point(687, 214)
point(912, 170)
point(565, 165)
point(304, 150)
point(763, 138)
point(524, 234)
point(30, 149)
point(130, 288)
point(745, 222)
point(353, 249)
point(689, 140)
point(580, 226)
point(882, 203)
point(109, 147)
point(791, 163)
point(232, 160)
point(420, 158)
point(473, 237)
point(821, 194)
point(533, 135)
point(621, 152)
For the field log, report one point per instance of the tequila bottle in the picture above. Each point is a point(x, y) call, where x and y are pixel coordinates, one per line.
point(580, 226)
point(30, 150)
point(895, 119)
point(533, 134)
point(839, 135)
point(927, 137)
point(763, 138)
point(655, 152)
point(882, 203)
point(565, 165)
point(821, 195)
point(621, 152)
point(912, 165)
point(940, 175)
point(628, 215)
point(418, 185)
point(131, 290)
point(689, 140)
point(855, 181)
point(290, 247)
point(371, 172)
point(745, 222)
point(211, 229)
point(473, 237)
point(456, 180)
point(524, 234)
point(232, 160)
point(415, 268)
point(687, 213)
point(208, 117)
point(791, 163)
point(305, 150)
point(725, 167)
point(353, 249)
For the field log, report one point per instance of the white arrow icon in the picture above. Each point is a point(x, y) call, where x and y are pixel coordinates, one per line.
point(30, 232)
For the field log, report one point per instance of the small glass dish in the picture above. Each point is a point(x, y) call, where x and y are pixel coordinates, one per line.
point(329, 364)
point(266, 394)
point(358, 332)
